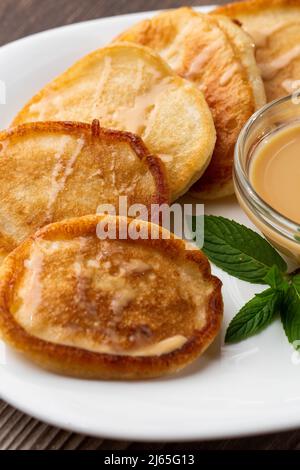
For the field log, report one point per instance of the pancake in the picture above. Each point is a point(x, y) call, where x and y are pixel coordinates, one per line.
point(56, 170)
point(217, 56)
point(129, 87)
point(88, 307)
point(243, 48)
point(274, 26)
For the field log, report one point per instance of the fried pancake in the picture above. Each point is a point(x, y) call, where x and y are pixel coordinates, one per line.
point(274, 26)
point(243, 48)
point(131, 88)
point(56, 170)
point(108, 308)
point(215, 55)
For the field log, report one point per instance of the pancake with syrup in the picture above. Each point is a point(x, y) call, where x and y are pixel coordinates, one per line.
point(216, 56)
point(85, 306)
point(274, 26)
point(56, 170)
point(131, 88)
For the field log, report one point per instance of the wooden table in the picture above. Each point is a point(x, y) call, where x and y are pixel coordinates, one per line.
point(19, 18)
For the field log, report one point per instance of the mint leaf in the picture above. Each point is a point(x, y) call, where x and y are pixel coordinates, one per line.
point(296, 282)
point(276, 279)
point(238, 250)
point(290, 314)
point(254, 316)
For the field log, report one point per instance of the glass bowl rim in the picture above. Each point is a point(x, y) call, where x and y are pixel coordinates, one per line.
point(243, 180)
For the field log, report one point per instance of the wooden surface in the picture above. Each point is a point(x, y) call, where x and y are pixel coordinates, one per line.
point(19, 18)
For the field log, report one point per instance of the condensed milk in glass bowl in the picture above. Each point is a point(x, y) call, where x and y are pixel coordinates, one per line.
point(267, 173)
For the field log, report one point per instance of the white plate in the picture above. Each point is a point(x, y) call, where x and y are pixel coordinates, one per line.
point(250, 387)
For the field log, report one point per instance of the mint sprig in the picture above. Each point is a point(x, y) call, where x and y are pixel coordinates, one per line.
point(246, 255)
point(238, 250)
point(276, 279)
point(254, 316)
point(290, 315)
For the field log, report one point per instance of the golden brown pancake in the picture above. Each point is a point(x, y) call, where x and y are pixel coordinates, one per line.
point(53, 171)
point(274, 26)
point(243, 48)
point(216, 56)
point(108, 308)
point(131, 88)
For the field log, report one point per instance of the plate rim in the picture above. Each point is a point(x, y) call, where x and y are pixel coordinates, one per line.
point(284, 421)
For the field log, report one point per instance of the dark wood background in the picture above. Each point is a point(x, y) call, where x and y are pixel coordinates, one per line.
point(19, 18)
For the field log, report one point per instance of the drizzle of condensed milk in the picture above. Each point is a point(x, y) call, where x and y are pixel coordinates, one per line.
point(134, 266)
point(261, 36)
point(196, 67)
point(270, 69)
point(31, 291)
point(290, 85)
point(275, 171)
point(104, 76)
point(136, 117)
point(124, 294)
point(4, 144)
point(228, 74)
point(172, 53)
point(61, 173)
point(165, 157)
point(138, 76)
point(122, 299)
point(41, 107)
point(164, 346)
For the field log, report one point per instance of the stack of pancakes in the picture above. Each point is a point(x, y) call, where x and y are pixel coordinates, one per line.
point(151, 116)
point(274, 26)
point(215, 55)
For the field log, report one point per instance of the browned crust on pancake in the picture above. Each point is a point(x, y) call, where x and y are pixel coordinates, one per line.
point(155, 165)
point(77, 362)
point(252, 6)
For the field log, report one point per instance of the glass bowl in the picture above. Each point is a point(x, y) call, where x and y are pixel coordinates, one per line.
point(282, 232)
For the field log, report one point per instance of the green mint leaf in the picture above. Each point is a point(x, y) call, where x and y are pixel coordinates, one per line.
point(238, 250)
point(254, 316)
point(276, 279)
point(296, 282)
point(290, 314)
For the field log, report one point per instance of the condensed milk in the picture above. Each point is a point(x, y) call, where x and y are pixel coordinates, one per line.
point(267, 173)
point(275, 171)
